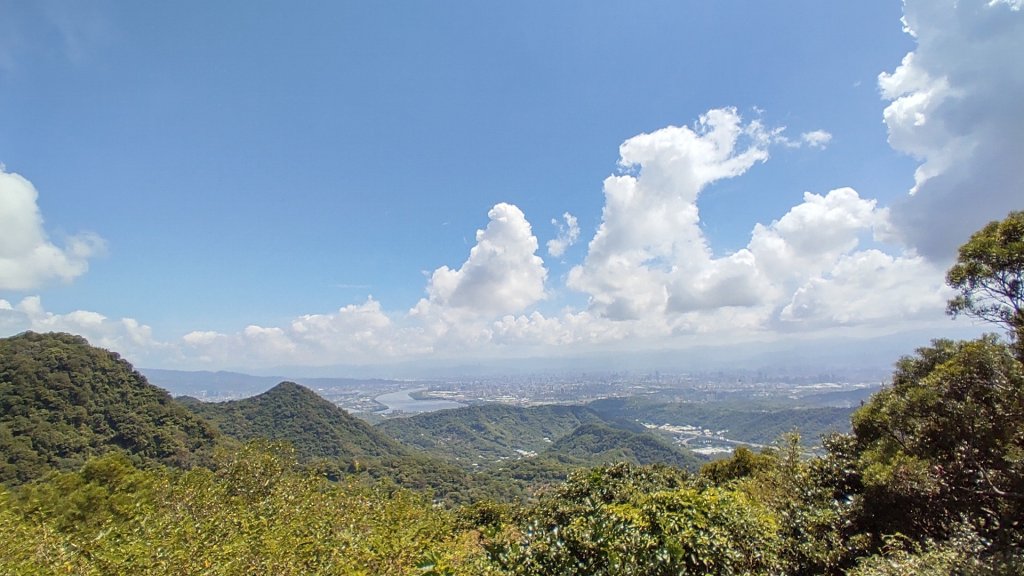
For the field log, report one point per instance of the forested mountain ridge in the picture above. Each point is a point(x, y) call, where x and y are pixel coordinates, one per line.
point(314, 426)
point(339, 445)
point(487, 433)
point(520, 450)
point(63, 401)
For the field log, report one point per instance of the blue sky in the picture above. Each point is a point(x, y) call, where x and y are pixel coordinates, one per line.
point(232, 185)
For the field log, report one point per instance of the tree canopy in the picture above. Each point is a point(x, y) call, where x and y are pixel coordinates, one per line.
point(62, 401)
point(945, 444)
point(989, 275)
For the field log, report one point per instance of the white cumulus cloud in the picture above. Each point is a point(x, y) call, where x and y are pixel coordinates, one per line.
point(955, 104)
point(28, 259)
point(650, 269)
point(503, 273)
point(649, 248)
point(869, 286)
point(809, 238)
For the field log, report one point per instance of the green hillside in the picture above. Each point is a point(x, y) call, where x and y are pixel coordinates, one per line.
point(62, 401)
point(485, 434)
point(755, 424)
point(590, 444)
point(598, 443)
point(520, 450)
point(314, 426)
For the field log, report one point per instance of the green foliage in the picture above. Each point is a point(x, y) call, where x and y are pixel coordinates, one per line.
point(743, 463)
point(811, 514)
point(448, 483)
point(529, 476)
point(964, 553)
point(800, 491)
point(989, 275)
point(62, 401)
point(935, 467)
point(945, 443)
point(627, 520)
point(30, 548)
point(256, 515)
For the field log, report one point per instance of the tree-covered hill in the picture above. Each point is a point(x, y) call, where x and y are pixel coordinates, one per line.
point(591, 444)
point(62, 401)
point(328, 439)
point(314, 426)
point(598, 443)
point(485, 434)
point(516, 450)
point(754, 425)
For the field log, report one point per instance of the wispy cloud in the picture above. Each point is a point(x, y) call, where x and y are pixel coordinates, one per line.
point(568, 234)
point(816, 138)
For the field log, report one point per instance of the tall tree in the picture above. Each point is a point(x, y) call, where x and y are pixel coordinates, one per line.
point(989, 276)
point(945, 443)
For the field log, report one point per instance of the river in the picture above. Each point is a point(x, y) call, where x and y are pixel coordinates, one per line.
point(402, 401)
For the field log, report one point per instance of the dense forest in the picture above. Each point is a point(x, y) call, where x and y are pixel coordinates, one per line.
point(106, 474)
point(314, 426)
point(62, 401)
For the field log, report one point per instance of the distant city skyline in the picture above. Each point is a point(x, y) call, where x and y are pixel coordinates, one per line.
point(375, 188)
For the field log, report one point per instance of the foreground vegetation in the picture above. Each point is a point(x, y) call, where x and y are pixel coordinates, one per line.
point(256, 510)
point(929, 481)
